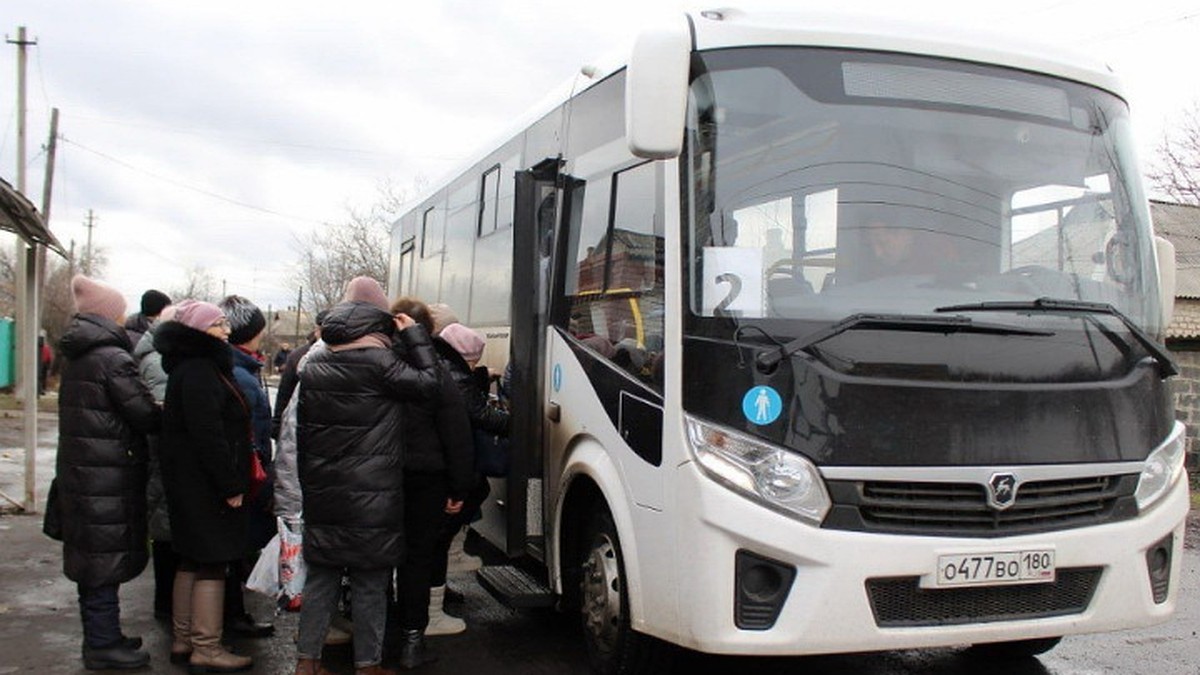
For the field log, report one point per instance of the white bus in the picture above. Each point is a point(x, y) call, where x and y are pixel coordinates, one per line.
point(828, 336)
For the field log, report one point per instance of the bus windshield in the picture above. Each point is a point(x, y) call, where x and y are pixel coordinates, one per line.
point(822, 183)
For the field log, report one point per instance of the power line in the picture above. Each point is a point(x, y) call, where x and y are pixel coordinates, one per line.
point(193, 188)
point(302, 146)
point(1103, 37)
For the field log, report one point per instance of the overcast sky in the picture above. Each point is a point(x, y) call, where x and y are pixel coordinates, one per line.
point(211, 133)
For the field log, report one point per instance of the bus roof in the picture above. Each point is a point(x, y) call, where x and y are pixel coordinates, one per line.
point(717, 29)
point(728, 27)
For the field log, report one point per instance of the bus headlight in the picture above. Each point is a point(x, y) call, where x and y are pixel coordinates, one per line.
point(1162, 470)
point(780, 479)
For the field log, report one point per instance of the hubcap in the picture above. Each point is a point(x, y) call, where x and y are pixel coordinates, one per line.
point(602, 594)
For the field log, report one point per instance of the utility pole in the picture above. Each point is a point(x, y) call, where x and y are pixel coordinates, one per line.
point(87, 249)
point(47, 189)
point(299, 304)
point(21, 44)
point(26, 351)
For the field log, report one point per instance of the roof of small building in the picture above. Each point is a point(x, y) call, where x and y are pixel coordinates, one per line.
point(19, 216)
point(1180, 224)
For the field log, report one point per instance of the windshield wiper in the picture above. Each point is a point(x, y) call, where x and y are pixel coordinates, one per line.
point(766, 361)
point(1166, 364)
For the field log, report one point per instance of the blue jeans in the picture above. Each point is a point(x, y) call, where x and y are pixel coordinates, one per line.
point(368, 589)
point(100, 609)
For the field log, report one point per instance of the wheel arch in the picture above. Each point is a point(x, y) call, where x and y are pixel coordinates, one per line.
point(591, 480)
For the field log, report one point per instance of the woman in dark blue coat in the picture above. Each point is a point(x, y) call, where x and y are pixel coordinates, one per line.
point(247, 325)
point(104, 414)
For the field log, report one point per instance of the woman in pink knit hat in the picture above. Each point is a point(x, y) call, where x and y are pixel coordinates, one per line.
point(206, 447)
point(105, 412)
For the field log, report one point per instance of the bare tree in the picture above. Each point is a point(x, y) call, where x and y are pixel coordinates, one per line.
point(1176, 170)
point(337, 252)
point(198, 284)
point(8, 281)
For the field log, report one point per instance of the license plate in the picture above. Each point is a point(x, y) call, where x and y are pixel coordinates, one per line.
point(987, 569)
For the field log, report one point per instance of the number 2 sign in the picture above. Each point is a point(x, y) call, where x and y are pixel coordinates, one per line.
point(732, 282)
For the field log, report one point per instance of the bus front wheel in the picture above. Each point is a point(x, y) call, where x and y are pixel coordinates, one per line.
point(613, 647)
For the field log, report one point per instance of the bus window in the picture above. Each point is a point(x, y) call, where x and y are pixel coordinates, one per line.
point(623, 319)
point(488, 200)
point(429, 267)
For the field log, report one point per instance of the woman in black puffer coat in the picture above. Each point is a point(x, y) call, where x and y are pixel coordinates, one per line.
point(351, 434)
point(206, 446)
point(104, 414)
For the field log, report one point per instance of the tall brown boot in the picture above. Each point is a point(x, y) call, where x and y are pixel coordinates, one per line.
point(208, 656)
point(181, 616)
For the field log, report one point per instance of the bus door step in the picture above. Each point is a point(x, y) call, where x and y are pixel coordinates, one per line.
point(515, 587)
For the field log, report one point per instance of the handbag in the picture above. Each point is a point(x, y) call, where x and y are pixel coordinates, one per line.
point(258, 475)
point(491, 454)
point(52, 519)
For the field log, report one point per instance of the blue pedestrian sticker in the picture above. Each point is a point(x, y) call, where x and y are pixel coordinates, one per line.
point(556, 377)
point(762, 405)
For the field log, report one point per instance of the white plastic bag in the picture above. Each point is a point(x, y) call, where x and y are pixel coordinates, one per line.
point(292, 570)
point(264, 578)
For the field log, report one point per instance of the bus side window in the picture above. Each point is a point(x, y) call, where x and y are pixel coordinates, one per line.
point(617, 297)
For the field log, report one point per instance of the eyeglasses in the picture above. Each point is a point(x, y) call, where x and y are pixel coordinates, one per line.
point(220, 323)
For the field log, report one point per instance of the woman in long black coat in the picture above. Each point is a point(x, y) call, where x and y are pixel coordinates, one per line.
point(206, 446)
point(104, 413)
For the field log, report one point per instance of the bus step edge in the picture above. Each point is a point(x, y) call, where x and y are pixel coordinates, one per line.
point(514, 587)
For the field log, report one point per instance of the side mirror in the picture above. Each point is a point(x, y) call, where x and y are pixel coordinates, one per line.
point(656, 88)
point(1165, 251)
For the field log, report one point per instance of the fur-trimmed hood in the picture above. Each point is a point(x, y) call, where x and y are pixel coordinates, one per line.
point(177, 342)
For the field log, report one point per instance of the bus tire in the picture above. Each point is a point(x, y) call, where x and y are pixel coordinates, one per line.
point(1014, 650)
point(613, 647)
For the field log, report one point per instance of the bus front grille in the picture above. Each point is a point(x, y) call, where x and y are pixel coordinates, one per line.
point(962, 509)
point(901, 602)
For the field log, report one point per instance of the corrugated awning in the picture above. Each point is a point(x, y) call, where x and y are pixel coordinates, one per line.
point(18, 215)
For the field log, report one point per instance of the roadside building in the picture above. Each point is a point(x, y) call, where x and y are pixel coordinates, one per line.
point(1180, 223)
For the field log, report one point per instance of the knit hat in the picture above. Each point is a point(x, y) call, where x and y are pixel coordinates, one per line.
point(442, 316)
point(246, 320)
point(97, 297)
point(464, 340)
point(153, 302)
point(366, 289)
point(197, 314)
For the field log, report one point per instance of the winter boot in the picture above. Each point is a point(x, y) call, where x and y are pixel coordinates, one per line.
point(374, 670)
point(441, 623)
point(458, 560)
point(117, 657)
point(310, 667)
point(208, 656)
point(412, 653)
point(181, 616)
